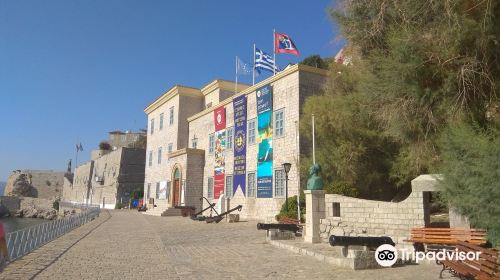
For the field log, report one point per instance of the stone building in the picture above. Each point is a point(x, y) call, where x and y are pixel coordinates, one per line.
point(118, 138)
point(189, 155)
point(108, 179)
point(48, 183)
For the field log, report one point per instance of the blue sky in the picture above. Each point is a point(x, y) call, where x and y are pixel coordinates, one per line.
point(70, 71)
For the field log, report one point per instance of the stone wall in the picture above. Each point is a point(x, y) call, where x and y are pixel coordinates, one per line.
point(48, 183)
point(361, 217)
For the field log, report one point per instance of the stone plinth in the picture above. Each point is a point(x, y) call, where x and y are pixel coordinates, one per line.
point(315, 210)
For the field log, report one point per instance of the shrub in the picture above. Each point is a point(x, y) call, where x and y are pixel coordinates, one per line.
point(104, 146)
point(292, 208)
point(55, 204)
point(342, 188)
point(471, 175)
point(118, 205)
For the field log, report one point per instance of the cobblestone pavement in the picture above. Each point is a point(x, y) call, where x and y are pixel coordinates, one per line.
point(128, 245)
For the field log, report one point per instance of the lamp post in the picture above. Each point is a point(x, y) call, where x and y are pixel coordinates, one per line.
point(286, 167)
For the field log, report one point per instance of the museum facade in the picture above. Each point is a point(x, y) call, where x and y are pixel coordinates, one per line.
point(221, 145)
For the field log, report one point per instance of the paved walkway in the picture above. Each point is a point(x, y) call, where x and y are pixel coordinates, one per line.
point(125, 244)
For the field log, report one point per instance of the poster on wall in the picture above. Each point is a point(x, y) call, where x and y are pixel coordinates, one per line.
point(163, 190)
point(219, 149)
point(265, 142)
point(240, 144)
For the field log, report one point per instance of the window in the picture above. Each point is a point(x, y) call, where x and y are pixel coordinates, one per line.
point(211, 143)
point(148, 190)
point(150, 163)
point(170, 147)
point(152, 126)
point(229, 186)
point(157, 190)
point(251, 184)
point(251, 131)
point(230, 132)
point(210, 190)
point(171, 112)
point(279, 123)
point(124, 138)
point(279, 182)
point(159, 155)
point(335, 209)
point(194, 142)
point(161, 121)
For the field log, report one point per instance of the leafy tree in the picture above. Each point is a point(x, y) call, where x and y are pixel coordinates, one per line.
point(315, 61)
point(104, 146)
point(417, 67)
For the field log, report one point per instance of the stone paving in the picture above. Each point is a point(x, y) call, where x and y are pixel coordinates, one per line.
point(125, 244)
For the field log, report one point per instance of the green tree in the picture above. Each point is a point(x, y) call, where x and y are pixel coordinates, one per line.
point(315, 61)
point(417, 67)
point(471, 168)
point(104, 146)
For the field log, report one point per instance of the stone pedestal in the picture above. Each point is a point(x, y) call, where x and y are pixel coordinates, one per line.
point(315, 210)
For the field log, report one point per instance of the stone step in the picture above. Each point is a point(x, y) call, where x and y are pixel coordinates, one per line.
point(172, 212)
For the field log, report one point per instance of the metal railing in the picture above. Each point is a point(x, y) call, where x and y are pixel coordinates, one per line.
point(24, 241)
point(77, 205)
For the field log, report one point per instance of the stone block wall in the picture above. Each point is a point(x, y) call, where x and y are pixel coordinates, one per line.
point(48, 183)
point(360, 217)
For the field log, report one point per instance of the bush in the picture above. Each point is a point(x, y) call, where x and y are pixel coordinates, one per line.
point(104, 146)
point(55, 204)
point(342, 188)
point(292, 208)
point(118, 205)
point(471, 181)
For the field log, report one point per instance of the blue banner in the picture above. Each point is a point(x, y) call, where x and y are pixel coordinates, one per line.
point(240, 143)
point(265, 142)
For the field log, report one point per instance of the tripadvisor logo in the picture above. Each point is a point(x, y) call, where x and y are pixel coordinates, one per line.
point(386, 255)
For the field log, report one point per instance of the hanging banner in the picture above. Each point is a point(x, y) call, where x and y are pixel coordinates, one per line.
point(265, 142)
point(240, 143)
point(219, 148)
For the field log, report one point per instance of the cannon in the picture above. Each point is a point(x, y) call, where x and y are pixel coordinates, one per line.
point(282, 227)
point(371, 242)
point(219, 217)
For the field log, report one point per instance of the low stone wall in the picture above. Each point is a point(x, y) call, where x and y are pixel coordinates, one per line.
point(349, 216)
point(360, 217)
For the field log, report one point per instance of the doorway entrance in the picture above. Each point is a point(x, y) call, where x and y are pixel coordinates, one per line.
point(176, 194)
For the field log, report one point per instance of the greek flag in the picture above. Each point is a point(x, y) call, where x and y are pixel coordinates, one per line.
point(263, 61)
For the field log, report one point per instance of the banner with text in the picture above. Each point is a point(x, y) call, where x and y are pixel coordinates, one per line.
point(219, 148)
point(265, 142)
point(240, 143)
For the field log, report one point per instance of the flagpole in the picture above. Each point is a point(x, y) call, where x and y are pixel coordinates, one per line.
point(236, 72)
point(253, 67)
point(274, 51)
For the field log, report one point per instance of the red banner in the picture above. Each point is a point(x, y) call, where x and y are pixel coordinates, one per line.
point(219, 149)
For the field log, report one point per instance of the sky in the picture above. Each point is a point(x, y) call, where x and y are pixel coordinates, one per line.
point(71, 71)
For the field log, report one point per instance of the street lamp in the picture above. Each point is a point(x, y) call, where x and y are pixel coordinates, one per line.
point(287, 167)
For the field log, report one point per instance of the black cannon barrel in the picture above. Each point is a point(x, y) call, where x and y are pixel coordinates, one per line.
point(287, 227)
point(369, 241)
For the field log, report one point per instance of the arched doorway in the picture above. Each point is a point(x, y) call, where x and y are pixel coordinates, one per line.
point(176, 193)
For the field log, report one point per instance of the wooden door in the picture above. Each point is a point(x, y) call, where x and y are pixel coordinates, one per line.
point(175, 199)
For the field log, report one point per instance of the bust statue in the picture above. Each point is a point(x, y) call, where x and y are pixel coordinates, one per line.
point(314, 182)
